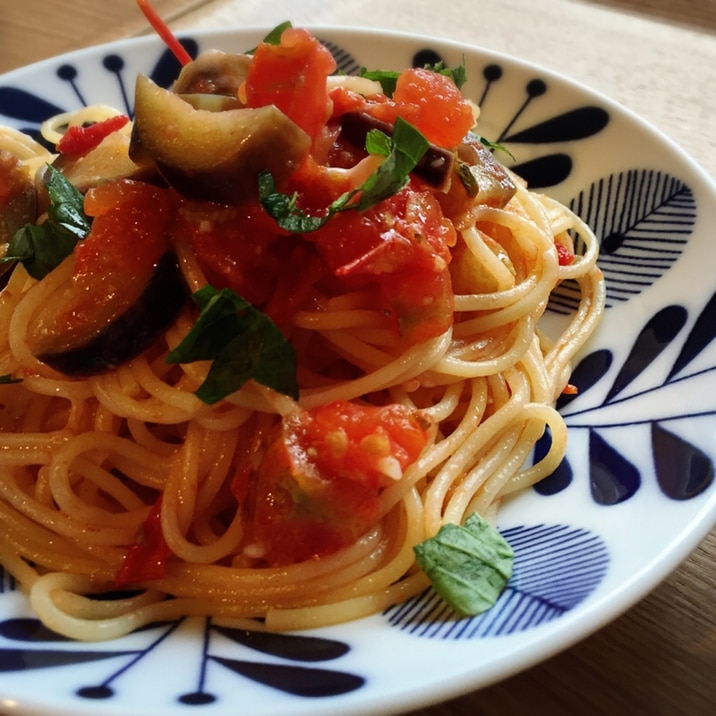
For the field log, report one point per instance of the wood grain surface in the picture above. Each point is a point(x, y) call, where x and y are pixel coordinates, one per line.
point(659, 658)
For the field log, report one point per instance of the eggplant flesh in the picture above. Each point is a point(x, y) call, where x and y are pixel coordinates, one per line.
point(434, 167)
point(491, 183)
point(213, 156)
point(213, 72)
point(18, 197)
point(128, 334)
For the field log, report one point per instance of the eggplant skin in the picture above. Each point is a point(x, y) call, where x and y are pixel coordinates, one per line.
point(133, 331)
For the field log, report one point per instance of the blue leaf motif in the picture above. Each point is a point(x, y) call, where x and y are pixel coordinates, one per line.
point(345, 62)
point(556, 568)
point(297, 680)
point(28, 630)
point(167, 67)
point(287, 646)
point(656, 335)
point(612, 478)
point(700, 336)
point(561, 478)
point(682, 470)
point(570, 126)
point(27, 659)
point(545, 171)
point(643, 219)
point(587, 373)
point(25, 106)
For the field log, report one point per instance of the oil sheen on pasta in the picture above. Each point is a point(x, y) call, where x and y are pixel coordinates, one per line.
point(299, 512)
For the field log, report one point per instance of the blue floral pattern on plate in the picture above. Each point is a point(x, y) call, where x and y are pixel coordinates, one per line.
point(637, 446)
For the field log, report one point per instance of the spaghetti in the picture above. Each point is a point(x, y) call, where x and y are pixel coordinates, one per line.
point(93, 467)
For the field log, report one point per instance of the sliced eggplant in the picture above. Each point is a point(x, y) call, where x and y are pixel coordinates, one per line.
point(213, 72)
point(213, 156)
point(479, 180)
point(101, 341)
point(435, 166)
point(488, 183)
point(18, 198)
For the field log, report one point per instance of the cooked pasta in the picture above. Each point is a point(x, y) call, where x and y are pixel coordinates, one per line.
point(91, 464)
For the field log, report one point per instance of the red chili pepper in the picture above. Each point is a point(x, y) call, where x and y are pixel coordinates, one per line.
point(564, 255)
point(162, 29)
point(147, 559)
point(80, 140)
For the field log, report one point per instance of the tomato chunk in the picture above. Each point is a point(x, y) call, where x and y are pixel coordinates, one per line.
point(318, 485)
point(430, 101)
point(147, 558)
point(403, 246)
point(125, 288)
point(292, 76)
point(130, 229)
point(435, 105)
point(237, 247)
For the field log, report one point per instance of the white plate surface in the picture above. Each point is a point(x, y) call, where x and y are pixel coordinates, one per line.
point(634, 497)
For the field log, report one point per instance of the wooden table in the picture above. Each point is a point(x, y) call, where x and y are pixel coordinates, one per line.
point(660, 657)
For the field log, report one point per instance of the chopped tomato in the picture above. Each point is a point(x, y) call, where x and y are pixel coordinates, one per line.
point(565, 255)
point(80, 140)
point(292, 76)
point(147, 558)
point(428, 100)
point(236, 247)
point(434, 104)
point(345, 100)
point(402, 246)
point(130, 229)
point(318, 485)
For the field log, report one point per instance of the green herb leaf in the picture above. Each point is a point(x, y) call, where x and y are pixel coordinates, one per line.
point(8, 378)
point(387, 79)
point(495, 146)
point(402, 152)
point(273, 37)
point(284, 210)
point(378, 143)
point(457, 74)
point(242, 343)
point(66, 205)
point(407, 146)
point(468, 565)
point(43, 247)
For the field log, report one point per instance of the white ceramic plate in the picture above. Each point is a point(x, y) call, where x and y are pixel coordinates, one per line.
point(634, 497)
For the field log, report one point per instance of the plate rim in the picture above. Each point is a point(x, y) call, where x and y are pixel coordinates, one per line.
point(593, 616)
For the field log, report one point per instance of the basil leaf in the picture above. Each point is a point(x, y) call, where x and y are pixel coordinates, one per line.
point(242, 343)
point(402, 152)
point(407, 147)
point(387, 79)
point(66, 205)
point(43, 247)
point(468, 565)
point(7, 378)
point(457, 74)
point(378, 143)
point(495, 146)
point(274, 37)
point(284, 210)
